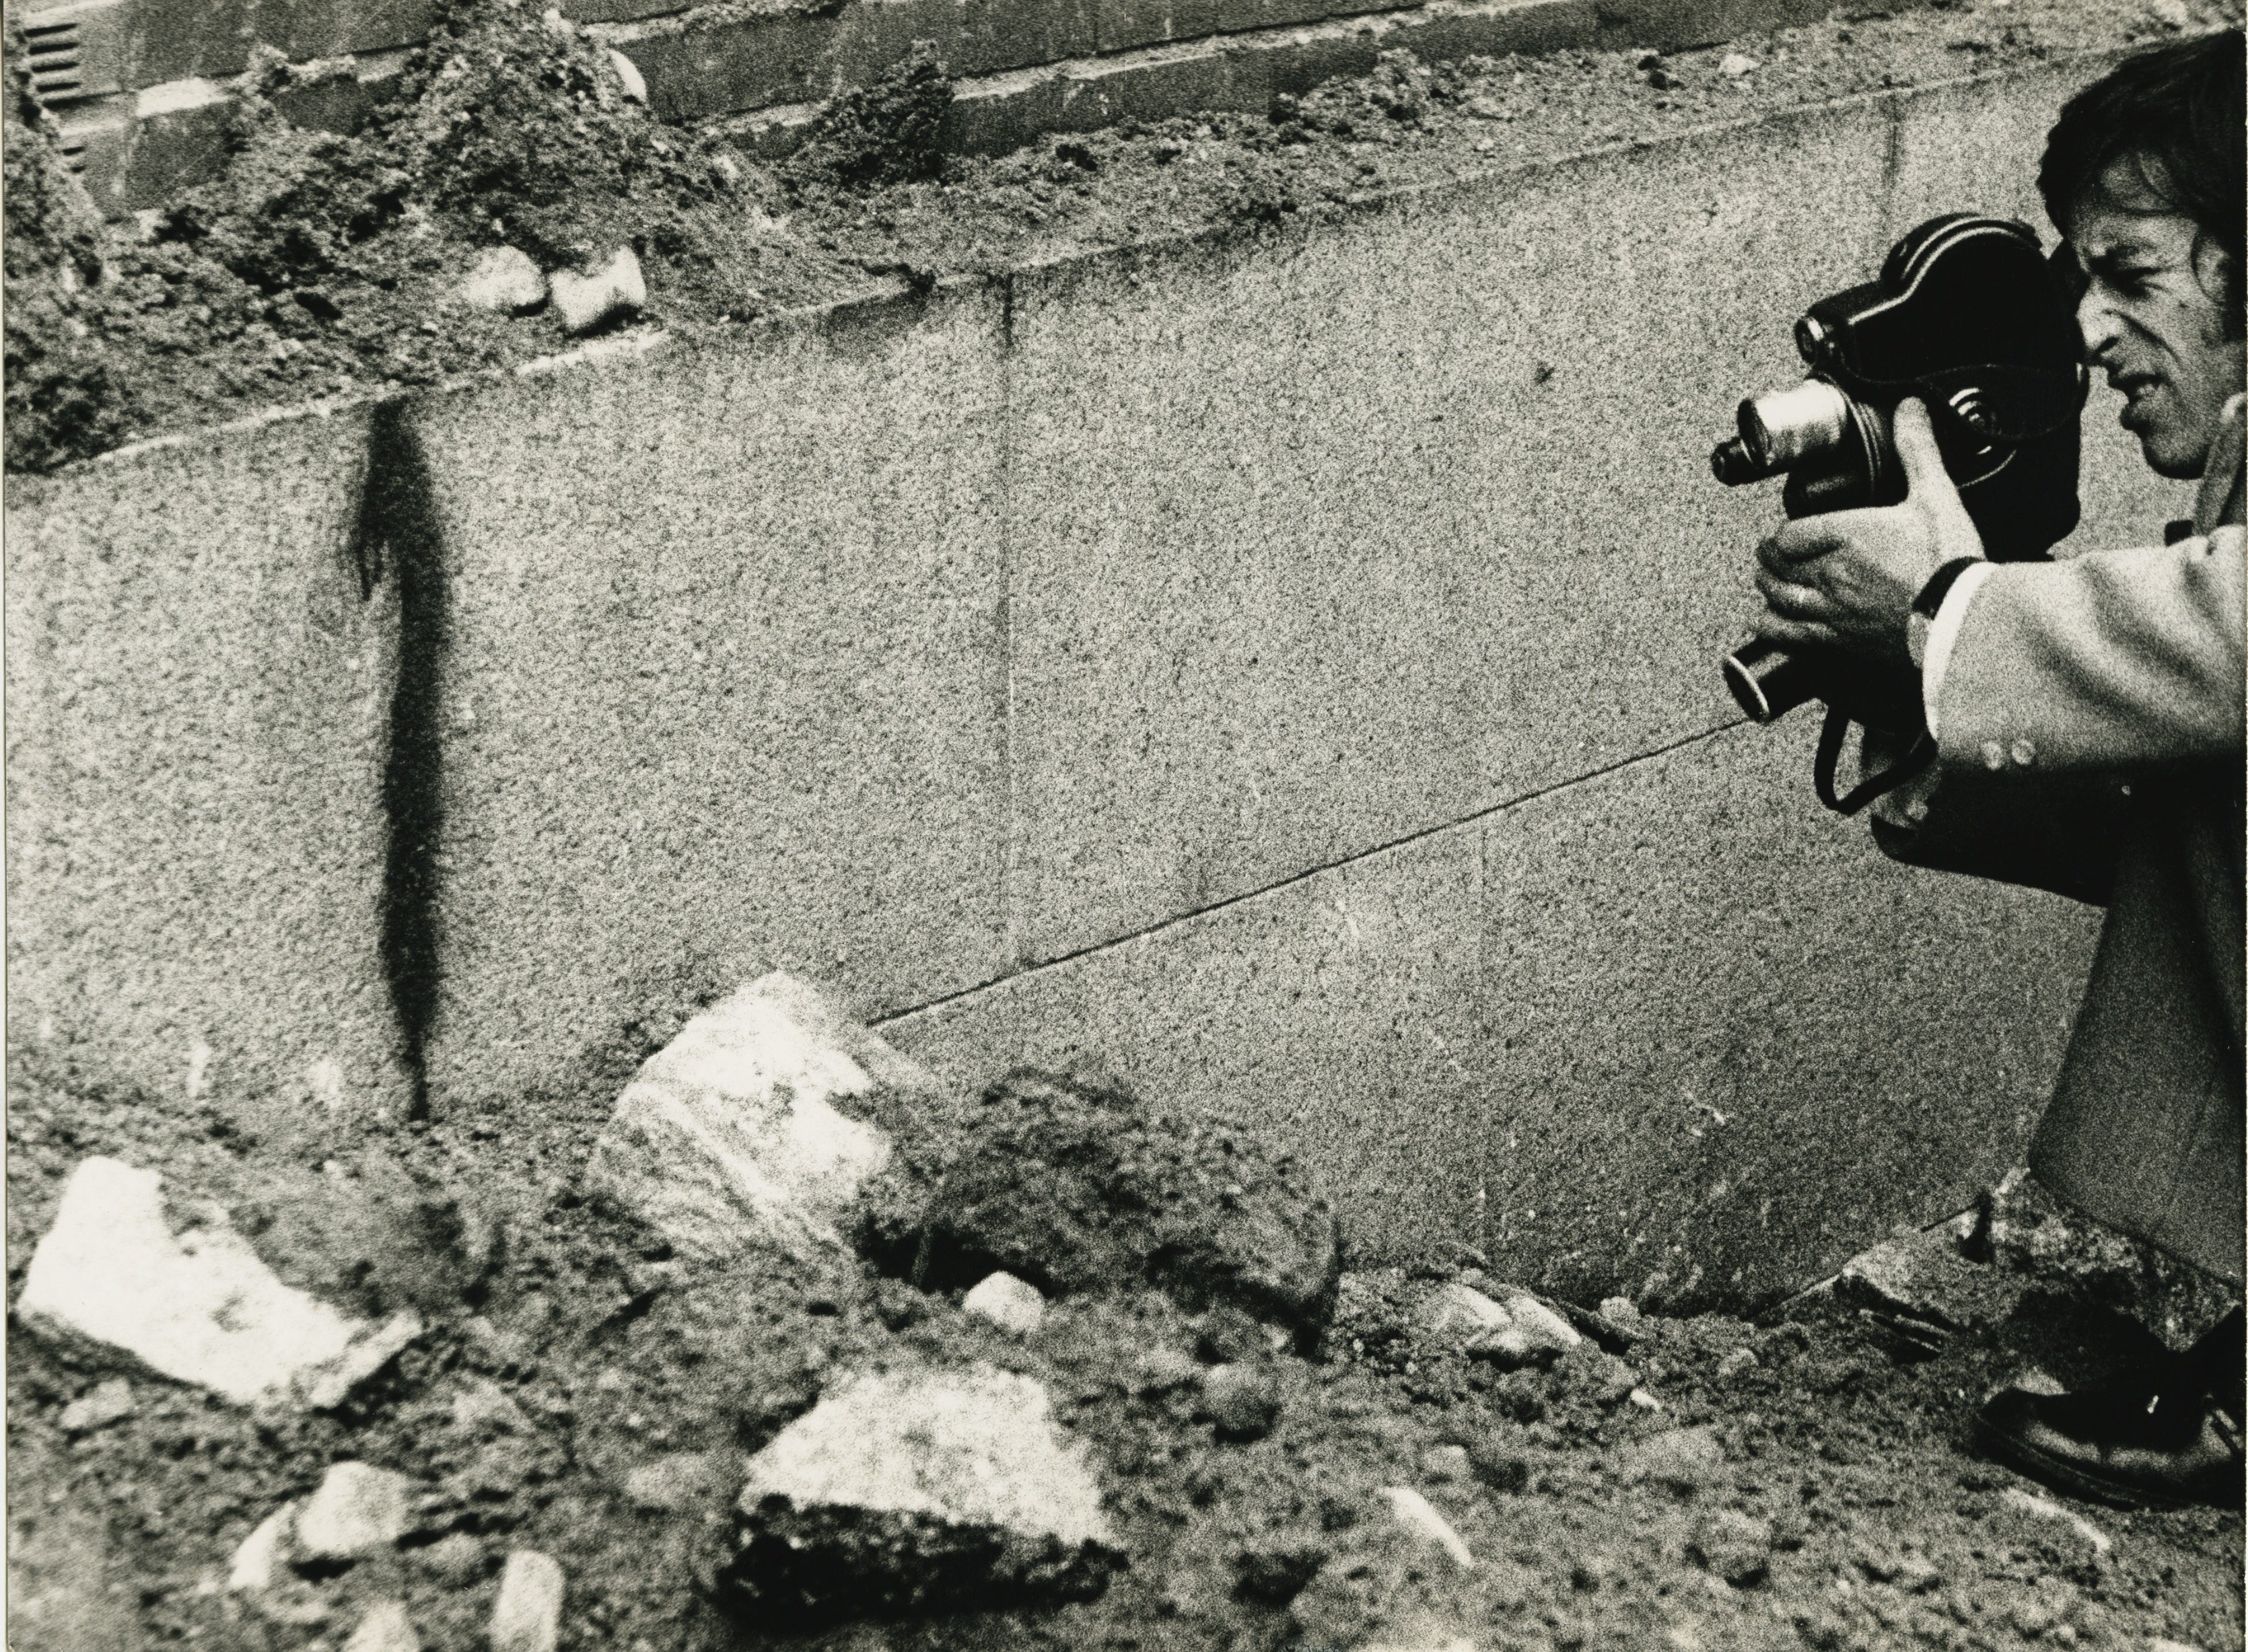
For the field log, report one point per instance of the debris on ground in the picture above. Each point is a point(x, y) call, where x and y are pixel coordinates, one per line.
point(1205, 1439)
point(319, 266)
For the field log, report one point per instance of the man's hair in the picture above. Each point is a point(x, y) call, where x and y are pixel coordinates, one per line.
point(2176, 113)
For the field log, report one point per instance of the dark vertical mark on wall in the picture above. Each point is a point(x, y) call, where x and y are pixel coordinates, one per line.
point(397, 538)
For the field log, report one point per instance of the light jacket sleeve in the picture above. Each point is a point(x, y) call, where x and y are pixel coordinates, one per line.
point(2115, 661)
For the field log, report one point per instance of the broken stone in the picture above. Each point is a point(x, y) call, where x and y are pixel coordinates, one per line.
point(505, 280)
point(629, 74)
point(385, 1628)
point(109, 1279)
point(98, 1407)
point(1682, 1460)
point(1734, 65)
point(683, 1480)
point(359, 1510)
point(585, 301)
point(1733, 1546)
point(1244, 1400)
point(913, 1492)
point(527, 1617)
point(1460, 1311)
point(1417, 1516)
point(259, 1560)
point(729, 1136)
point(1012, 1303)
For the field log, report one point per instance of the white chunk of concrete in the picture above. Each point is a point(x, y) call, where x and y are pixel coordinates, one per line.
point(1418, 1516)
point(505, 280)
point(1010, 1303)
point(385, 1628)
point(729, 1136)
point(527, 1617)
point(978, 1448)
point(109, 1278)
point(359, 1510)
point(585, 301)
point(257, 1563)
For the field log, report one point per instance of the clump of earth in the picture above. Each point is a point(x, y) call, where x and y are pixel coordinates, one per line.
point(320, 265)
point(1269, 1454)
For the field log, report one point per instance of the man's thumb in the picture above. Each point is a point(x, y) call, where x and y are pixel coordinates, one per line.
point(1915, 445)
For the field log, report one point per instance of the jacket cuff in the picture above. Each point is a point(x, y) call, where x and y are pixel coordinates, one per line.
point(1943, 635)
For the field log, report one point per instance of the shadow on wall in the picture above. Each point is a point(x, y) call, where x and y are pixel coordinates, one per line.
point(397, 536)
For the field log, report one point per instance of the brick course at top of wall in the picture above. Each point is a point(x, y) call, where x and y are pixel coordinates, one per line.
point(135, 83)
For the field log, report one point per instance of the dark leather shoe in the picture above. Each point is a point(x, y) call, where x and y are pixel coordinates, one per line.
point(2154, 1448)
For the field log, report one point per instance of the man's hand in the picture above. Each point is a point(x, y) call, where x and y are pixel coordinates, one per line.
point(1846, 580)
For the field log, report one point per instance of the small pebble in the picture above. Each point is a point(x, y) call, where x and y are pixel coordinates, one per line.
point(1734, 65)
point(358, 1510)
point(628, 72)
point(456, 1560)
point(505, 280)
point(528, 1616)
point(1734, 1365)
point(98, 1407)
point(1162, 1369)
point(385, 1628)
point(1242, 1400)
point(258, 1560)
point(1010, 1303)
point(585, 301)
point(1418, 1516)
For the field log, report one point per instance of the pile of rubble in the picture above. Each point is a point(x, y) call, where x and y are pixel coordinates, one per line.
point(803, 1340)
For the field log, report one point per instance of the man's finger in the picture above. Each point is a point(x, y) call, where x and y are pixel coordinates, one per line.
point(1915, 445)
point(1794, 601)
point(1798, 542)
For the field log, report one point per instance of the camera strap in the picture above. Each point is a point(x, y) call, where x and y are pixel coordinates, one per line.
point(1832, 736)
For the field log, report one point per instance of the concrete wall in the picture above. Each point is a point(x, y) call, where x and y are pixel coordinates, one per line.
point(1281, 670)
point(200, 674)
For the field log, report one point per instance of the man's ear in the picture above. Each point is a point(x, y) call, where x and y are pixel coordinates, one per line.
point(2215, 273)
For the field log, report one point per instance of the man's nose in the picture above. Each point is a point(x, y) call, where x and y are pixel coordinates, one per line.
point(2095, 321)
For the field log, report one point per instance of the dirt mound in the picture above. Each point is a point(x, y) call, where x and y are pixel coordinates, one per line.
point(583, 1393)
point(1075, 1185)
point(322, 266)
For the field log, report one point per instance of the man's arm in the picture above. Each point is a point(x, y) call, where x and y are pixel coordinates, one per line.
point(2115, 660)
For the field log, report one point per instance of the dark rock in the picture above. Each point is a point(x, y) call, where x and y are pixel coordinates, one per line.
point(1075, 1185)
point(1275, 1569)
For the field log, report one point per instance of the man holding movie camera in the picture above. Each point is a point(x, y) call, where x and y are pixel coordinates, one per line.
point(2087, 719)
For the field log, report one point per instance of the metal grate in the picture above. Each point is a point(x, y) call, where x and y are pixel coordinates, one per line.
point(57, 51)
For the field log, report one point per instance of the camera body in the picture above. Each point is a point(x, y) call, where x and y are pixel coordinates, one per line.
point(1968, 315)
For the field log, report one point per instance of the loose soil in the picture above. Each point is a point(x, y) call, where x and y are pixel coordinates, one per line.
point(1697, 1483)
point(321, 266)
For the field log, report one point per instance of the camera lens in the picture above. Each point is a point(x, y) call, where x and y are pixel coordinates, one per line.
point(1783, 427)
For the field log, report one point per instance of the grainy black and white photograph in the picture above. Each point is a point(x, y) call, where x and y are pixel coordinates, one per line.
point(1154, 826)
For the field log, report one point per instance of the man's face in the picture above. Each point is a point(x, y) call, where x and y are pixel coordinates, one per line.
point(2153, 319)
